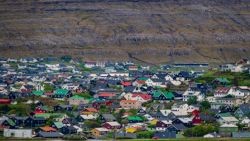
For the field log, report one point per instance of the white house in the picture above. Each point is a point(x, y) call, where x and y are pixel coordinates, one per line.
point(18, 133)
point(190, 93)
point(240, 91)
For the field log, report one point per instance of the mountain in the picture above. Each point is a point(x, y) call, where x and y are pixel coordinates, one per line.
point(150, 31)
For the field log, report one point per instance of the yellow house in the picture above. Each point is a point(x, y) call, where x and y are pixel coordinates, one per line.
point(97, 132)
point(153, 122)
point(131, 130)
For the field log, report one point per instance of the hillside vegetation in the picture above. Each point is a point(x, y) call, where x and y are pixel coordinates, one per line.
point(151, 31)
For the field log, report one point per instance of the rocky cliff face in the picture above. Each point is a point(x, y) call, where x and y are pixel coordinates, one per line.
point(152, 31)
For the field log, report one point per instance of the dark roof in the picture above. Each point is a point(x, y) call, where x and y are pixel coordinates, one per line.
point(241, 134)
point(164, 135)
point(245, 108)
point(124, 134)
point(50, 134)
point(108, 117)
point(178, 126)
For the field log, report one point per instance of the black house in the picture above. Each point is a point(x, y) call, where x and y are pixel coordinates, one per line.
point(35, 121)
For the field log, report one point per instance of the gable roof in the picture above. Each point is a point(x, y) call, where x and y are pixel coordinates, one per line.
point(137, 118)
point(166, 94)
point(143, 96)
point(48, 129)
point(61, 92)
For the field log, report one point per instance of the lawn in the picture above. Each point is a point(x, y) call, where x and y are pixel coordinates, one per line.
point(192, 139)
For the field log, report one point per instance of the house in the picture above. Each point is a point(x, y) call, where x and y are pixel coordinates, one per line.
point(68, 130)
point(19, 121)
point(229, 100)
point(5, 101)
point(57, 125)
point(134, 119)
point(176, 128)
point(241, 134)
point(221, 92)
point(226, 130)
point(34, 122)
point(239, 91)
point(107, 117)
point(164, 135)
point(125, 135)
point(46, 129)
point(162, 125)
point(191, 93)
point(196, 120)
point(242, 111)
point(138, 97)
point(88, 111)
point(50, 134)
point(130, 104)
point(61, 93)
point(227, 118)
point(162, 95)
point(77, 100)
point(221, 81)
point(98, 132)
point(187, 121)
point(112, 125)
point(17, 133)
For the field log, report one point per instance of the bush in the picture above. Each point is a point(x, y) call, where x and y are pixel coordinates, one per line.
point(200, 130)
point(145, 134)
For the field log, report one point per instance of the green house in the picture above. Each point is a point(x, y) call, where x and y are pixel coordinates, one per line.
point(227, 129)
point(162, 95)
point(38, 93)
point(61, 93)
point(134, 119)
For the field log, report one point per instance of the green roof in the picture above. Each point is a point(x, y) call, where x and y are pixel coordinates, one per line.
point(168, 95)
point(225, 115)
point(76, 97)
point(143, 78)
point(222, 80)
point(135, 118)
point(61, 92)
point(58, 124)
point(11, 122)
point(39, 93)
point(47, 115)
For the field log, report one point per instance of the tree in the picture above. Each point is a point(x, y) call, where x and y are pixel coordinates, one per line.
point(205, 105)
point(192, 100)
point(200, 130)
point(48, 88)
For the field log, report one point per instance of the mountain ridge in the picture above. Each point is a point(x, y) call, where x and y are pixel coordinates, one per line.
point(154, 31)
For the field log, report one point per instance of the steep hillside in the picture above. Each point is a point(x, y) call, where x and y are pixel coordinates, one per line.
point(153, 31)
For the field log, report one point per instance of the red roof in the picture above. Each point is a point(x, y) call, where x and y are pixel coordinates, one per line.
point(91, 110)
point(48, 129)
point(5, 101)
point(144, 96)
point(131, 101)
point(126, 83)
point(106, 94)
point(222, 90)
point(140, 81)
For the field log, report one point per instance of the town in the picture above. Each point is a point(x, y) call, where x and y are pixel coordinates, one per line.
point(71, 98)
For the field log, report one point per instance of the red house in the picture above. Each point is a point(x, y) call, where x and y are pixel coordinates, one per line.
point(5, 101)
point(195, 112)
point(112, 125)
point(126, 83)
point(196, 120)
point(39, 111)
